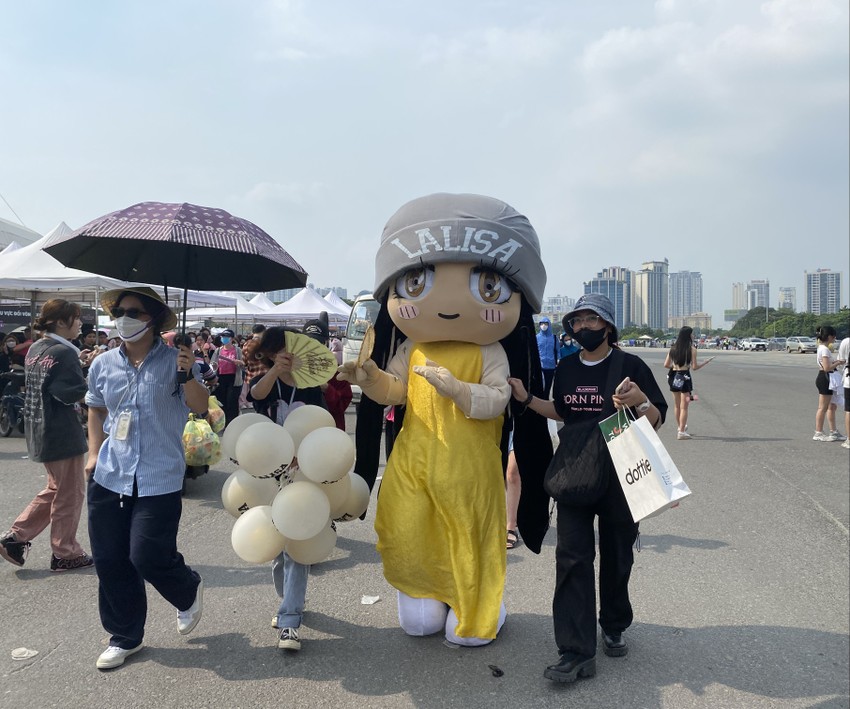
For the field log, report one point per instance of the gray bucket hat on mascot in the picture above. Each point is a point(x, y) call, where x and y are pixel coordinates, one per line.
point(462, 227)
point(598, 303)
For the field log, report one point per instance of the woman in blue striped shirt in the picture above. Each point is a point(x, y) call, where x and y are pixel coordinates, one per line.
point(137, 411)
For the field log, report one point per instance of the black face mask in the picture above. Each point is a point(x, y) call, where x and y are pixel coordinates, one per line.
point(591, 340)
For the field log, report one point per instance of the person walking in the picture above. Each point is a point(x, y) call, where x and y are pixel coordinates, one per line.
point(54, 385)
point(277, 391)
point(826, 365)
point(547, 344)
point(844, 355)
point(568, 347)
point(681, 359)
point(591, 324)
point(227, 361)
point(137, 411)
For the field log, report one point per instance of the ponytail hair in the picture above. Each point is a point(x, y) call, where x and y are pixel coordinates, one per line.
point(824, 332)
point(54, 311)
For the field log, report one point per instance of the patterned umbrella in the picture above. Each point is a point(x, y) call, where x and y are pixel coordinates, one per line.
point(180, 245)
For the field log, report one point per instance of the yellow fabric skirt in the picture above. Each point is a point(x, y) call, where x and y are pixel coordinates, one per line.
point(441, 509)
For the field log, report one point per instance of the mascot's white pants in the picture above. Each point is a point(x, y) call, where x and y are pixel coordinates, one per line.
point(425, 616)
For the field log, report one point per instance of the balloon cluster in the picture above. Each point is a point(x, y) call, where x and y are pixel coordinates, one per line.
point(292, 484)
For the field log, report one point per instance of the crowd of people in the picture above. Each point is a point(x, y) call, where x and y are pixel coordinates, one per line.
point(130, 466)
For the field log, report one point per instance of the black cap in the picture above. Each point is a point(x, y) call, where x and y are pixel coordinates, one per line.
point(318, 329)
point(227, 333)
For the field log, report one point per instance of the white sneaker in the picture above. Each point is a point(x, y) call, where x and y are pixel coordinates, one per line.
point(836, 436)
point(114, 656)
point(683, 436)
point(289, 639)
point(274, 621)
point(821, 436)
point(188, 619)
point(846, 444)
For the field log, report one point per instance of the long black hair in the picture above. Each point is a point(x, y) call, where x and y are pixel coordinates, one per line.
point(680, 352)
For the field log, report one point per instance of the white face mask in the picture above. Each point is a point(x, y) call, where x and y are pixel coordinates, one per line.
point(130, 329)
point(543, 327)
point(11, 343)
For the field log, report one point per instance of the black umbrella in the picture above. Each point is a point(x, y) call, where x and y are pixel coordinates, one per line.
point(180, 245)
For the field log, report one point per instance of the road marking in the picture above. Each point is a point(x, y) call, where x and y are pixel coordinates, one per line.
point(819, 507)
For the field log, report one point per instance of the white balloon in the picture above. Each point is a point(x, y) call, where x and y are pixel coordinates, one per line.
point(356, 502)
point(242, 491)
point(315, 549)
point(305, 419)
point(300, 510)
point(337, 493)
point(234, 430)
point(326, 455)
point(255, 538)
point(264, 449)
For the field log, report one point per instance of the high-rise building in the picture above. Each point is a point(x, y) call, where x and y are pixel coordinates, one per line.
point(739, 296)
point(761, 299)
point(651, 295)
point(823, 291)
point(685, 295)
point(618, 285)
point(787, 298)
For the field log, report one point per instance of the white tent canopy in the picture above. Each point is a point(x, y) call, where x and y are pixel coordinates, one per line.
point(337, 302)
point(306, 305)
point(240, 311)
point(261, 300)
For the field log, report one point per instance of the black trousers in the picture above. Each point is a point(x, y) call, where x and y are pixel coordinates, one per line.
point(228, 395)
point(574, 604)
point(548, 376)
point(133, 540)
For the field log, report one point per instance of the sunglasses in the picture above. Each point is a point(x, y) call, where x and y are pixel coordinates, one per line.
point(129, 312)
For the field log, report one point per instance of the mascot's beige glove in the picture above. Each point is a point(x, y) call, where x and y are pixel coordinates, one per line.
point(446, 384)
point(377, 384)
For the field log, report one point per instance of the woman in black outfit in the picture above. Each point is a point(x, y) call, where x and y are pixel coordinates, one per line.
point(587, 389)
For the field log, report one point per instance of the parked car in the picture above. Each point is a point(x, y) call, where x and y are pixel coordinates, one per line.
point(776, 344)
point(753, 344)
point(363, 314)
point(801, 345)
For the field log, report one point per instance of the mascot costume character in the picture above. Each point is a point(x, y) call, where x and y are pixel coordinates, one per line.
point(458, 277)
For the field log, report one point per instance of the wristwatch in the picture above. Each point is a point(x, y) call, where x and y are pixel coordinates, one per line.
point(644, 407)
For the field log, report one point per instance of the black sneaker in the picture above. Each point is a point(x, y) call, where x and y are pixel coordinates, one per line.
point(288, 639)
point(13, 551)
point(83, 561)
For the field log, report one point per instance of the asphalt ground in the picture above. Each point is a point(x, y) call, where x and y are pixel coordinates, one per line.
point(740, 595)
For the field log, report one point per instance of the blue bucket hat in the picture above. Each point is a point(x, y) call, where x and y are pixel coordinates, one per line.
point(596, 302)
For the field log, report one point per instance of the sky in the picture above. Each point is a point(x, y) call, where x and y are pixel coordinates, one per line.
point(712, 133)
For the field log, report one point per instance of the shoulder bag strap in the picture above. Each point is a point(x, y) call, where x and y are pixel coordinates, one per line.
point(615, 372)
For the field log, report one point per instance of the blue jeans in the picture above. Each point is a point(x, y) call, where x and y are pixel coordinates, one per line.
point(290, 582)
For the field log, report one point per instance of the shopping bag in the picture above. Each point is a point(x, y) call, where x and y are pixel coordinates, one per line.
point(650, 480)
point(215, 415)
point(200, 445)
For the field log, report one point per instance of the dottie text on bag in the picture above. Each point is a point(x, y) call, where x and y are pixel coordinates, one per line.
point(650, 480)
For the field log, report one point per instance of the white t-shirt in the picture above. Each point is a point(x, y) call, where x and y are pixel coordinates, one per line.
point(824, 358)
point(844, 353)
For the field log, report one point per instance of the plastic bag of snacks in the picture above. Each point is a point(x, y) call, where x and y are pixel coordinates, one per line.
point(200, 445)
point(215, 415)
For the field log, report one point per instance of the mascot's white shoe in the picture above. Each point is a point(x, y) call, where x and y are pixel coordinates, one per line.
point(421, 616)
point(451, 626)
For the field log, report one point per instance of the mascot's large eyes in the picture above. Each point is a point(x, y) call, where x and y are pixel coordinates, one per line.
point(414, 284)
point(489, 287)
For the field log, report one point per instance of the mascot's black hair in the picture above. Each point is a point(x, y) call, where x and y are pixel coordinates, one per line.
point(532, 443)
